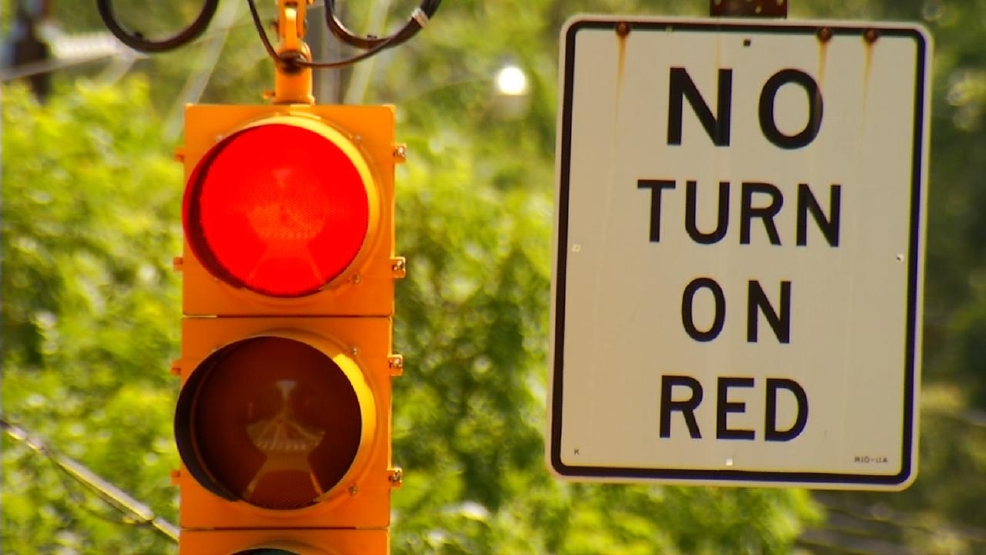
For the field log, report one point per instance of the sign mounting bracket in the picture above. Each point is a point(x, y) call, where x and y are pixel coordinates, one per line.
point(748, 8)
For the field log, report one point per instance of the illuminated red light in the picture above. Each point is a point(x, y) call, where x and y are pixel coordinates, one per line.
point(278, 209)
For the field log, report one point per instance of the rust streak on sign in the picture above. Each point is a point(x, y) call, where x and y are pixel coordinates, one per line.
point(622, 30)
point(824, 35)
point(870, 36)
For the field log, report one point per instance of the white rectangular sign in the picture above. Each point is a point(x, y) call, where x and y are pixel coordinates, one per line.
point(739, 251)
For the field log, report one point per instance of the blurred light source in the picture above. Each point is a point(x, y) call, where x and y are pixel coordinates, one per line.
point(88, 46)
point(511, 81)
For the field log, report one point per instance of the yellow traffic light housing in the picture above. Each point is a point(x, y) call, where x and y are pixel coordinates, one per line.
point(283, 420)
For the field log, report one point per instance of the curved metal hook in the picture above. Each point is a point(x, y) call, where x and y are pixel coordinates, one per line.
point(415, 23)
point(137, 41)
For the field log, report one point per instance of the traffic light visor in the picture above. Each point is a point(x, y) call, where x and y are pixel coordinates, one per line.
point(275, 421)
point(282, 208)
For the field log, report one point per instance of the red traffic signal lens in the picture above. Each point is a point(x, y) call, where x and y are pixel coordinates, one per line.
point(272, 421)
point(280, 209)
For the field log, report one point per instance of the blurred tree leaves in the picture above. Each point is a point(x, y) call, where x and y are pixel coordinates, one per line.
point(89, 218)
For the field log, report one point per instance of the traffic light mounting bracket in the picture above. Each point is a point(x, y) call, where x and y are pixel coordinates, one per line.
point(292, 81)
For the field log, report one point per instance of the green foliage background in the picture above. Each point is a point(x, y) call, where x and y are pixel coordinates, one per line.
point(90, 307)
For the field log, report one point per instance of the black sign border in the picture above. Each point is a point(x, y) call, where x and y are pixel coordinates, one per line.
point(808, 479)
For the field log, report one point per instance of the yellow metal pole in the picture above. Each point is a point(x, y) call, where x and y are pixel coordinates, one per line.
point(292, 83)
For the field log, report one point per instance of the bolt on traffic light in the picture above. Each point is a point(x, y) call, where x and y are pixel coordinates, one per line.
point(283, 420)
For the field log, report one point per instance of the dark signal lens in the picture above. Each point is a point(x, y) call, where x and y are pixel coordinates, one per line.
point(278, 209)
point(270, 421)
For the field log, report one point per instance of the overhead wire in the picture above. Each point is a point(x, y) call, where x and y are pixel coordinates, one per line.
point(136, 512)
point(359, 80)
point(292, 60)
point(371, 45)
point(208, 60)
point(48, 66)
point(128, 54)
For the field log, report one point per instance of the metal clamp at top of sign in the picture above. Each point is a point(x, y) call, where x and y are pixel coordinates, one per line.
point(748, 8)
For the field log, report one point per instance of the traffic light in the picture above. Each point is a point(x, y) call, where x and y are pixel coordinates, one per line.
point(283, 419)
